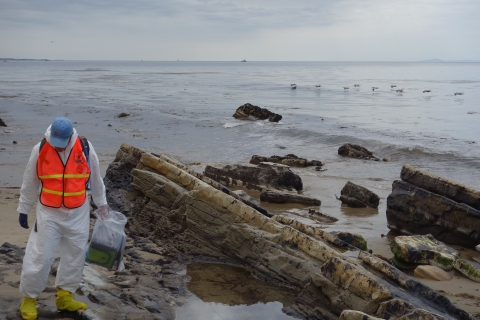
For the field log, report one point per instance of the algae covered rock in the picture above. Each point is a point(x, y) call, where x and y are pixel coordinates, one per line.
point(469, 269)
point(355, 240)
point(423, 250)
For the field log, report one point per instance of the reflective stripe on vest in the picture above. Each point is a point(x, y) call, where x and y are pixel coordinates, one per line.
point(63, 184)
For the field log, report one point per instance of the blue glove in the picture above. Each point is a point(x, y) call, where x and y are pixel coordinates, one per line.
point(23, 219)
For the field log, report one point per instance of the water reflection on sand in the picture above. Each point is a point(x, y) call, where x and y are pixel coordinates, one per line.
point(227, 292)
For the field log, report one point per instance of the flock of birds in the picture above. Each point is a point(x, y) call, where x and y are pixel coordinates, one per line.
point(393, 86)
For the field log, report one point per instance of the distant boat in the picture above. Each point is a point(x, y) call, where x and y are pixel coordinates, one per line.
point(243, 60)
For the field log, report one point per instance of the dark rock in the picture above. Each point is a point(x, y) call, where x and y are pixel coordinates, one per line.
point(322, 216)
point(2, 124)
point(289, 160)
point(13, 252)
point(356, 151)
point(415, 211)
point(394, 308)
point(118, 176)
point(256, 177)
point(243, 112)
point(356, 196)
point(435, 184)
point(123, 114)
point(283, 197)
point(352, 202)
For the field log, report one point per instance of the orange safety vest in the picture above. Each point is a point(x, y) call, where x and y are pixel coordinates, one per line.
point(63, 184)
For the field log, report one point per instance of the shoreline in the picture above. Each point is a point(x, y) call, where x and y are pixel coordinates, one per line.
point(462, 291)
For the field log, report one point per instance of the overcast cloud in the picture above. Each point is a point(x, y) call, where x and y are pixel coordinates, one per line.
point(267, 30)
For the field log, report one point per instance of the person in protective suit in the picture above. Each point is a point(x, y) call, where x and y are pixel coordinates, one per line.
point(57, 174)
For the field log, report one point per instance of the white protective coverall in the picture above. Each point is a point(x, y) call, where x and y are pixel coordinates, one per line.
point(62, 229)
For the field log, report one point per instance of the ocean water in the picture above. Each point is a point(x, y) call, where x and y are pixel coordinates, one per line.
point(185, 109)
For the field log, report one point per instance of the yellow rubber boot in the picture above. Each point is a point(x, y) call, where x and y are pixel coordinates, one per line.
point(28, 308)
point(65, 302)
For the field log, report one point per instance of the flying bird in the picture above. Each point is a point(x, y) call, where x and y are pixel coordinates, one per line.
point(399, 90)
point(427, 90)
point(294, 86)
point(356, 85)
point(458, 93)
point(393, 86)
point(318, 85)
point(373, 88)
point(346, 88)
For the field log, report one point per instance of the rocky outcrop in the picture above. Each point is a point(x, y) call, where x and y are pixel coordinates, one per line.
point(262, 177)
point(197, 220)
point(289, 160)
point(249, 110)
point(356, 151)
point(356, 196)
point(146, 289)
point(443, 187)
point(413, 210)
point(424, 250)
point(2, 124)
point(284, 197)
point(117, 179)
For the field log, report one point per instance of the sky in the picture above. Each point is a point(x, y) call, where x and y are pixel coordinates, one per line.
point(255, 30)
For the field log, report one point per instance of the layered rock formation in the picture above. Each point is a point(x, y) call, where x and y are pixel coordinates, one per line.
point(262, 177)
point(356, 151)
point(249, 110)
point(443, 187)
point(356, 196)
point(186, 211)
point(289, 160)
point(412, 209)
point(283, 197)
